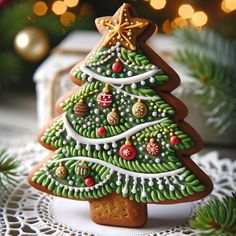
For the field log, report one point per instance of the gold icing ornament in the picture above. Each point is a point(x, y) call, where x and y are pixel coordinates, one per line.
point(113, 117)
point(139, 109)
point(61, 171)
point(31, 44)
point(121, 28)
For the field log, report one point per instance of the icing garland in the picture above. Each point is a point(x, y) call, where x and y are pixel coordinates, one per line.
point(90, 141)
point(130, 80)
point(123, 171)
point(152, 98)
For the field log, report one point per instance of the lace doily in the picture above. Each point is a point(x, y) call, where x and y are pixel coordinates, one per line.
point(26, 211)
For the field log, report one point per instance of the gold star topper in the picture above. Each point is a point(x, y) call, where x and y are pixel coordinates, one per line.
point(121, 27)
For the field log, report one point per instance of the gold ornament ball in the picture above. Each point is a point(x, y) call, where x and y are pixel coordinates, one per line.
point(31, 44)
point(113, 117)
point(139, 109)
point(61, 172)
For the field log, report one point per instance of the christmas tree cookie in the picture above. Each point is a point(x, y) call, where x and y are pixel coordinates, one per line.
point(120, 141)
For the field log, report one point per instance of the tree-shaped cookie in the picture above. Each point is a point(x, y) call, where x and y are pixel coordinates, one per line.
point(120, 141)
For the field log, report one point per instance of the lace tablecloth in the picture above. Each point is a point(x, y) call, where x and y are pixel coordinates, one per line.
point(26, 211)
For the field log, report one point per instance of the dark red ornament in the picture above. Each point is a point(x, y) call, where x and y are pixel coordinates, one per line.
point(174, 140)
point(104, 99)
point(88, 182)
point(117, 67)
point(153, 147)
point(101, 131)
point(127, 151)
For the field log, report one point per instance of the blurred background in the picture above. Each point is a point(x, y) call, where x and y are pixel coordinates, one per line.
point(198, 37)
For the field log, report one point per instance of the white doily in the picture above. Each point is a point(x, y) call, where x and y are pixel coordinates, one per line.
point(26, 211)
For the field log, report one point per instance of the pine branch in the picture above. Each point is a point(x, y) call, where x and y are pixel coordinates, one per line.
point(8, 166)
point(216, 218)
point(211, 60)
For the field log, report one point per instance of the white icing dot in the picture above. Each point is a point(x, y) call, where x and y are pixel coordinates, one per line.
point(163, 143)
point(122, 113)
point(168, 145)
point(57, 134)
point(143, 194)
point(141, 149)
point(146, 157)
point(99, 69)
point(88, 123)
point(68, 137)
point(150, 183)
point(64, 151)
point(77, 146)
point(122, 100)
point(163, 114)
point(157, 160)
point(181, 177)
point(118, 182)
point(49, 176)
point(108, 72)
point(131, 119)
point(154, 113)
point(163, 154)
point(56, 183)
point(90, 79)
point(129, 33)
point(73, 122)
point(114, 150)
point(143, 82)
point(129, 73)
point(133, 86)
point(153, 67)
point(127, 110)
point(161, 187)
point(171, 188)
point(125, 94)
point(152, 80)
point(90, 104)
point(133, 191)
point(84, 126)
point(61, 185)
point(70, 182)
point(106, 146)
point(98, 147)
point(72, 115)
point(159, 135)
point(182, 187)
point(136, 67)
point(64, 142)
point(118, 44)
point(109, 153)
point(96, 111)
point(97, 119)
point(132, 97)
point(88, 147)
point(114, 145)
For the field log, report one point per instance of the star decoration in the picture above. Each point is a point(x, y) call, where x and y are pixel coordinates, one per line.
point(121, 28)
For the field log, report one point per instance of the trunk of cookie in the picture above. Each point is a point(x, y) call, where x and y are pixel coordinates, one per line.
point(118, 211)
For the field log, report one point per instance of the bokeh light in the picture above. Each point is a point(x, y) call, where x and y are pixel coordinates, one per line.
point(71, 3)
point(158, 4)
point(67, 18)
point(228, 5)
point(179, 22)
point(40, 8)
point(199, 19)
point(59, 7)
point(166, 27)
point(186, 11)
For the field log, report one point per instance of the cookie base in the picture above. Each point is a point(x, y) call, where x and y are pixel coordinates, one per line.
point(118, 211)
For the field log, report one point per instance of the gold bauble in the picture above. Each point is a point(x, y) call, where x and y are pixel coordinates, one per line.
point(61, 171)
point(113, 117)
point(139, 109)
point(31, 44)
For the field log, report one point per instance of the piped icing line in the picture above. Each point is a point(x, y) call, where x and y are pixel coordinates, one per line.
point(152, 98)
point(130, 80)
point(120, 170)
point(90, 141)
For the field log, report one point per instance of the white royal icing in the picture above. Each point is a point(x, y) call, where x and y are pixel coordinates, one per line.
point(91, 141)
point(121, 170)
point(129, 80)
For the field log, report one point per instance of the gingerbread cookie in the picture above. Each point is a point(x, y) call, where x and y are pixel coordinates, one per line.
point(120, 139)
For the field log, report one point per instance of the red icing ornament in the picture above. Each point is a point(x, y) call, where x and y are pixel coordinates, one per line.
point(89, 182)
point(127, 151)
point(174, 140)
point(153, 148)
point(117, 67)
point(104, 99)
point(101, 131)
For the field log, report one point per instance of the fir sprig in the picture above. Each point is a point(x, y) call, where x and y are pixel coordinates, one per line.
point(211, 60)
point(8, 173)
point(216, 218)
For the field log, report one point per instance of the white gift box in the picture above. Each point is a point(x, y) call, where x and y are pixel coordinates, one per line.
point(52, 79)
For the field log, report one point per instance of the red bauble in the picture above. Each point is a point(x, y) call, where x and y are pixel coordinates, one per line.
point(89, 182)
point(117, 67)
point(127, 151)
point(153, 148)
point(174, 140)
point(104, 99)
point(101, 131)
